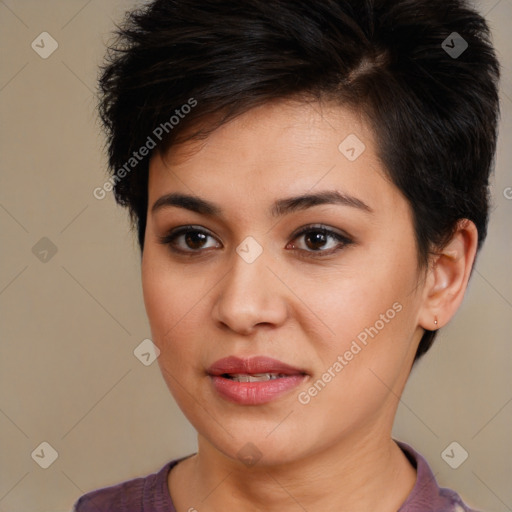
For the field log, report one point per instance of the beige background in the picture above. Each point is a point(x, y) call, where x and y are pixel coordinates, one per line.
point(69, 325)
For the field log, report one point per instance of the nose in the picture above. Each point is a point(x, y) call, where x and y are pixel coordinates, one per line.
point(250, 294)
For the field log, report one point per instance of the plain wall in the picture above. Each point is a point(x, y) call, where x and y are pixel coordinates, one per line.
point(69, 325)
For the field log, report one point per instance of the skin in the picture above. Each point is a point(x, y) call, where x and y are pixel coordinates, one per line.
point(336, 452)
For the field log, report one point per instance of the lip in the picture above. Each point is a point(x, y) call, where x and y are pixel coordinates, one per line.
point(254, 393)
point(256, 364)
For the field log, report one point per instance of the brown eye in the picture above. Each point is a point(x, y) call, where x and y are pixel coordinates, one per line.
point(193, 240)
point(320, 241)
point(316, 240)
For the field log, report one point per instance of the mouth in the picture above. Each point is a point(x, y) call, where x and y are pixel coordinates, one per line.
point(257, 366)
point(255, 380)
point(258, 377)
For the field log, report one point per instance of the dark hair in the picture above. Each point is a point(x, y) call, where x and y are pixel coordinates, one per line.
point(434, 110)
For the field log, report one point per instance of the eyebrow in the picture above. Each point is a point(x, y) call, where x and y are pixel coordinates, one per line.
point(280, 208)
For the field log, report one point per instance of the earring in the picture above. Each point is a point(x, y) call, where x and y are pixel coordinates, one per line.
point(435, 321)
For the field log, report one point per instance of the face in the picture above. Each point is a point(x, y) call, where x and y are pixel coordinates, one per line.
point(324, 292)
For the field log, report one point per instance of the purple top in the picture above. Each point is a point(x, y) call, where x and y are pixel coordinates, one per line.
point(151, 493)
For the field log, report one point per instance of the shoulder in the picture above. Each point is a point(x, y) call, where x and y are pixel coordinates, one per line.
point(142, 494)
point(426, 495)
point(122, 497)
point(453, 501)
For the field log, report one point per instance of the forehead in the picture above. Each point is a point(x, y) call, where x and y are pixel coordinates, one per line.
point(279, 149)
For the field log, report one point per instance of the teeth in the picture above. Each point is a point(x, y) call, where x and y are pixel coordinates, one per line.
point(257, 377)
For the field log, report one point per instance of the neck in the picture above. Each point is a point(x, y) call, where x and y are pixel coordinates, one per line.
point(367, 473)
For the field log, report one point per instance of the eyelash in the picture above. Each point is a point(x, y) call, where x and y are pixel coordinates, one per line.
point(343, 240)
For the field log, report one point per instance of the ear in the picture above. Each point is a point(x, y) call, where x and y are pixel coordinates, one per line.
point(448, 277)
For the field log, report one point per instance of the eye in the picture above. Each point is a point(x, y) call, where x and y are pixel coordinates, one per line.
point(193, 238)
point(316, 240)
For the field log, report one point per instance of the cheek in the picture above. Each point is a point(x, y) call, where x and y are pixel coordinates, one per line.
point(370, 316)
point(154, 286)
point(160, 287)
point(173, 297)
point(348, 303)
point(172, 309)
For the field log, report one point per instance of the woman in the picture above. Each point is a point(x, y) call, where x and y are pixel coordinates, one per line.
point(309, 183)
